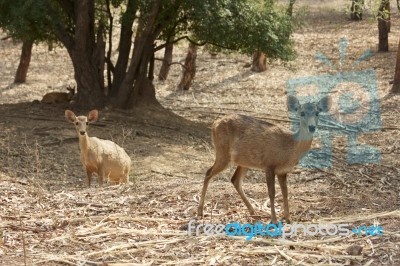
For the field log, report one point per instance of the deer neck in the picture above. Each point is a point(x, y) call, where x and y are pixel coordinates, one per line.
point(303, 139)
point(83, 142)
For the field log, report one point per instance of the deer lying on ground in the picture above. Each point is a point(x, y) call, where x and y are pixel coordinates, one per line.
point(59, 97)
point(252, 143)
point(102, 157)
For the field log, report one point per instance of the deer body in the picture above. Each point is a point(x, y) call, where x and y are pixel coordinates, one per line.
point(101, 157)
point(280, 150)
point(59, 97)
point(252, 143)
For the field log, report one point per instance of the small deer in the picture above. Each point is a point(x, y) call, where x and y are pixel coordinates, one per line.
point(252, 143)
point(59, 97)
point(102, 157)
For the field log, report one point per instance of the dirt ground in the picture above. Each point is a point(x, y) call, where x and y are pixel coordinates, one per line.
point(48, 216)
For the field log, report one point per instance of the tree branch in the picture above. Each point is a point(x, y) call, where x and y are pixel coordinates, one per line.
point(172, 63)
point(177, 40)
point(193, 42)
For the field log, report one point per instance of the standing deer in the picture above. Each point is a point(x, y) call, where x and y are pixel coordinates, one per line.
point(251, 143)
point(99, 156)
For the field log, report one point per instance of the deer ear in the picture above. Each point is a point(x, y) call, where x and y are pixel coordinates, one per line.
point(324, 104)
point(92, 116)
point(70, 116)
point(292, 103)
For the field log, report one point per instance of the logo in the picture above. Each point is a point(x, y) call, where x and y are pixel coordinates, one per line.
point(280, 230)
point(355, 109)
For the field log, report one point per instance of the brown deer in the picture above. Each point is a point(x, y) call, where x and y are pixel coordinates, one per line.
point(99, 156)
point(252, 143)
point(59, 97)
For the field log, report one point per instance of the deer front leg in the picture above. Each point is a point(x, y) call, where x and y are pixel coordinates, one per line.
point(270, 176)
point(89, 175)
point(283, 185)
point(101, 175)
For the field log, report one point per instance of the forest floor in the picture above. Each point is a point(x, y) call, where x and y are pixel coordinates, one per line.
point(48, 216)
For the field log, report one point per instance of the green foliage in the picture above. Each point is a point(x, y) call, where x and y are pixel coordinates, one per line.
point(244, 26)
point(26, 20)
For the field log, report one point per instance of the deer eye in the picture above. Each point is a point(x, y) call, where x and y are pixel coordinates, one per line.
point(302, 114)
point(317, 113)
point(76, 123)
point(87, 123)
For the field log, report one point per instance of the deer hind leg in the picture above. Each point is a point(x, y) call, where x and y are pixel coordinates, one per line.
point(124, 178)
point(283, 185)
point(270, 176)
point(219, 165)
point(237, 181)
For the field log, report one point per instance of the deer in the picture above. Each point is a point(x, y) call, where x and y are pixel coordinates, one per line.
point(252, 143)
point(98, 156)
point(59, 97)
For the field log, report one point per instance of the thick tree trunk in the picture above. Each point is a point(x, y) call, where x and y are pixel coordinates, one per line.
point(143, 91)
point(383, 45)
point(166, 63)
point(87, 54)
point(396, 82)
point(25, 59)
point(259, 63)
point(189, 71)
point(90, 85)
point(125, 44)
point(383, 27)
point(128, 91)
point(356, 10)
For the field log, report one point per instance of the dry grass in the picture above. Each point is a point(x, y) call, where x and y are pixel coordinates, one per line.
point(49, 217)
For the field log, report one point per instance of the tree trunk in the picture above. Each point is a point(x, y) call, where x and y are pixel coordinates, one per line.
point(189, 71)
point(388, 20)
point(124, 48)
point(396, 82)
point(383, 27)
point(89, 85)
point(289, 10)
point(130, 91)
point(259, 62)
point(87, 55)
point(25, 59)
point(356, 10)
point(166, 63)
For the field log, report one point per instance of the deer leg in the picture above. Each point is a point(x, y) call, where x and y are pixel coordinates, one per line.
point(270, 175)
point(237, 181)
point(219, 166)
point(89, 175)
point(101, 175)
point(283, 185)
